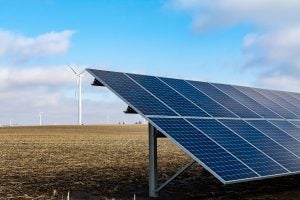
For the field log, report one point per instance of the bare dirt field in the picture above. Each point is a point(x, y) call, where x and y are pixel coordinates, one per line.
point(106, 162)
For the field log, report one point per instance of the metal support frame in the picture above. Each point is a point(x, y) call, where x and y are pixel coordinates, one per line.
point(153, 189)
point(188, 165)
point(152, 161)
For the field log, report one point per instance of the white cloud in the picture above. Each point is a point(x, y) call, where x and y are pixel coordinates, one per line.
point(282, 82)
point(26, 91)
point(273, 48)
point(276, 55)
point(35, 76)
point(220, 13)
point(23, 47)
point(276, 47)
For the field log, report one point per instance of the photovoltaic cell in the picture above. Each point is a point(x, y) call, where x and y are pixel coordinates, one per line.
point(199, 98)
point(277, 135)
point(207, 151)
point(287, 127)
point(224, 100)
point(288, 97)
point(267, 102)
point(132, 93)
point(297, 123)
point(276, 98)
point(248, 154)
point(278, 153)
point(170, 97)
point(296, 95)
point(247, 101)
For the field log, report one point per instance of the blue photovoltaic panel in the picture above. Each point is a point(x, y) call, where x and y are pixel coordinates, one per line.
point(288, 97)
point(296, 95)
point(275, 151)
point(204, 120)
point(267, 102)
point(248, 154)
point(132, 93)
point(272, 95)
point(247, 101)
point(224, 100)
point(199, 98)
point(277, 135)
point(288, 127)
point(169, 96)
point(297, 123)
point(213, 156)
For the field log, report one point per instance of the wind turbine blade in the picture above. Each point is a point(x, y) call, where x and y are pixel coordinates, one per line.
point(73, 70)
point(81, 72)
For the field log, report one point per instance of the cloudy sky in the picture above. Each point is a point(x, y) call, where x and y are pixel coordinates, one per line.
point(249, 42)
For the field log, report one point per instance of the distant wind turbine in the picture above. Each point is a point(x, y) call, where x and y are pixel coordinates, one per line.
point(79, 77)
point(40, 117)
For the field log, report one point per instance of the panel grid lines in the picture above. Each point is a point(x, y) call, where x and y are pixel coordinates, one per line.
point(222, 147)
point(280, 101)
point(167, 96)
point(288, 99)
point(267, 102)
point(251, 143)
point(276, 134)
point(212, 100)
point(230, 95)
point(183, 96)
point(277, 152)
point(285, 144)
point(246, 101)
point(224, 99)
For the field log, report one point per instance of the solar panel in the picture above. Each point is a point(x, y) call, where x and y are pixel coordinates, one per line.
point(236, 133)
point(224, 100)
point(295, 95)
point(280, 101)
point(247, 101)
point(167, 95)
point(252, 93)
point(287, 127)
point(288, 97)
point(278, 153)
point(141, 99)
point(277, 135)
point(200, 99)
point(244, 151)
point(297, 123)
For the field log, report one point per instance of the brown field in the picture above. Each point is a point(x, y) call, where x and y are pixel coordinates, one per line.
point(105, 162)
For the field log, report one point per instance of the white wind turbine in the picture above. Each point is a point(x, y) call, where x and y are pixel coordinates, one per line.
point(40, 117)
point(79, 77)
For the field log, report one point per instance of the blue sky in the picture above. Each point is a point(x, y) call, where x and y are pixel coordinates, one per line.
point(132, 36)
point(178, 38)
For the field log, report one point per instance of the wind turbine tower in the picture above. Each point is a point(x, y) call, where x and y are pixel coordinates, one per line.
point(79, 82)
point(40, 118)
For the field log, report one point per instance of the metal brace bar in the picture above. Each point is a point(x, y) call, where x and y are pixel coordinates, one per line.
point(188, 165)
point(152, 161)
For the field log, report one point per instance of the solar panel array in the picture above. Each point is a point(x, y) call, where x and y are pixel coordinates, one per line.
point(237, 133)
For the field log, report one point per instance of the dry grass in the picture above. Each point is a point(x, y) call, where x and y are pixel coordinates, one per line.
point(98, 162)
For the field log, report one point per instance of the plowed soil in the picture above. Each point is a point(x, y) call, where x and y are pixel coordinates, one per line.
point(110, 162)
